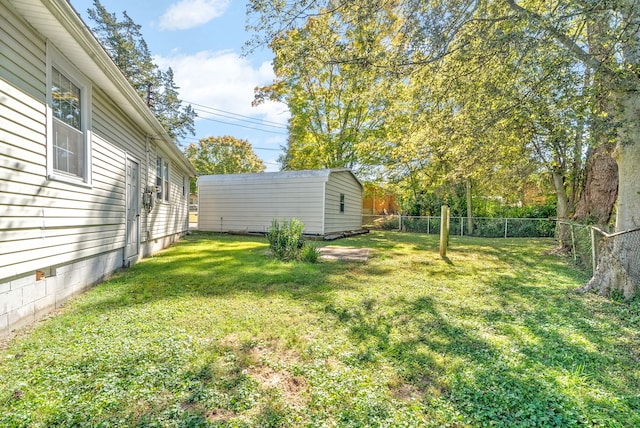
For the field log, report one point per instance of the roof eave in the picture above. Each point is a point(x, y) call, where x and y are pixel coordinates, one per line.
point(57, 21)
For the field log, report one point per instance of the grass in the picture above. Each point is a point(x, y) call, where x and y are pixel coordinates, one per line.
point(214, 332)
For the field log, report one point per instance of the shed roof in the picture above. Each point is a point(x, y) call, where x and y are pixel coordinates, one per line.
point(320, 174)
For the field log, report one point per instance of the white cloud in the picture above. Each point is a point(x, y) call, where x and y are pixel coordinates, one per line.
point(225, 81)
point(191, 13)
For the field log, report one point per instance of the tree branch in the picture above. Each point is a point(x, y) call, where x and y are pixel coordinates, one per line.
point(562, 38)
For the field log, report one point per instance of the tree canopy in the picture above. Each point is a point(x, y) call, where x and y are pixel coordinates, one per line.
point(123, 41)
point(223, 155)
point(490, 91)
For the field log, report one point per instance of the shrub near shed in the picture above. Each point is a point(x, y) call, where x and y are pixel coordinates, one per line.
point(287, 243)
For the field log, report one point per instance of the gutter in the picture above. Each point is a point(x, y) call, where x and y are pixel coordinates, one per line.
point(116, 85)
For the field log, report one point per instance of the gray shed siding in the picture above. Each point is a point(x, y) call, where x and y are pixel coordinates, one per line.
point(343, 182)
point(74, 234)
point(249, 202)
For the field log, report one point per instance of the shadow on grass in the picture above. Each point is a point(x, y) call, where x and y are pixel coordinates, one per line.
point(543, 357)
point(227, 266)
point(493, 338)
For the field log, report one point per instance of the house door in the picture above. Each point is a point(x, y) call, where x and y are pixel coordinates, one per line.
point(132, 244)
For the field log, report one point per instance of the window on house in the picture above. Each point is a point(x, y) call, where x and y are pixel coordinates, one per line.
point(159, 185)
point(341, 202)
point(68, 141)
point(165, 180)
point(162, 179)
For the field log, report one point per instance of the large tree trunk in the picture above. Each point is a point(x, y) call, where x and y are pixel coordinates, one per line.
point(618, 269)
point(619, 266)
point(600, 189)
point(619, 262)
point(562, 210)
point(598, 196)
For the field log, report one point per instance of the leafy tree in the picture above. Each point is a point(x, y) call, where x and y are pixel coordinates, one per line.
point(614, 38)
point(223, 155)
point(176, 118)
point(125, 45)
point(601, 36)
point(336, 106)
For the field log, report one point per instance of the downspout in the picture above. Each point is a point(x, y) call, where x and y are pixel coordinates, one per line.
point(146, 180)
point(186, 193)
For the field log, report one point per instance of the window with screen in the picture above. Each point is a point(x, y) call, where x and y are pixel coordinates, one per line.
point(68, 141)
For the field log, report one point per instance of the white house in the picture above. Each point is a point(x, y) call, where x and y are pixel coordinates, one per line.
point(326, 201)
point(89, 180)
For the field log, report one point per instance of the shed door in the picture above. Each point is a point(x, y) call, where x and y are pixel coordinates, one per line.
point(132, 244)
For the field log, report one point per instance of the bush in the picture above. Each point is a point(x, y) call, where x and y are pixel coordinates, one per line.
point(310, 253)
point(286, 240)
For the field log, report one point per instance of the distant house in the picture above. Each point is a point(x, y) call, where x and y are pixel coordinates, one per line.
point(89, 180)
point(326, 201)
point(378, 201)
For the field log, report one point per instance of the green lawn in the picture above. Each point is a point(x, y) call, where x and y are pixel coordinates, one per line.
point(215, 332)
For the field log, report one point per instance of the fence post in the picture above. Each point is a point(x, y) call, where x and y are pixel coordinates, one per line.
point(461, 226)
point(505, 226)
point(444, 230)
point(428, 224)
point(399, 222)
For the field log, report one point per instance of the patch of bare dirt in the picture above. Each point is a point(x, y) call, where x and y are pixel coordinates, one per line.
point(220, 415)
point(270, 369)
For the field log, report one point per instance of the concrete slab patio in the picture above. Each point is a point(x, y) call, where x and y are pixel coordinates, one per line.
point(334, 252)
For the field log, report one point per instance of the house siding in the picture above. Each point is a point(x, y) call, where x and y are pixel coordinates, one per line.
point(22, 54)
point(73, 234)
point(343, 182)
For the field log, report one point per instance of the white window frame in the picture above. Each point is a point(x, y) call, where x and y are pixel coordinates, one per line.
point(163, 182)
point(56, 60)
point(185, 185)
point(166, 180)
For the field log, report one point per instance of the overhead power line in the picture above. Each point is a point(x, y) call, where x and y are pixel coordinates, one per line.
point(235, 116)
point(255, 148)
point(243, 126)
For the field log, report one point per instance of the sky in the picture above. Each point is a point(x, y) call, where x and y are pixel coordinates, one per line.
point(201, 40)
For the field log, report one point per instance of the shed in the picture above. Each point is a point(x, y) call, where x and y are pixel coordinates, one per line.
point(327, 201)
point(89, 180)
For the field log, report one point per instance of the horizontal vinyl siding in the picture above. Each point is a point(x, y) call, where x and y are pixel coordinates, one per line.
point(46, 222)
point(75, 233)
point(49, 223)
point(112, 125)
point(166, 218)
point(351, 219)
point(252, 204)
point(22, 55)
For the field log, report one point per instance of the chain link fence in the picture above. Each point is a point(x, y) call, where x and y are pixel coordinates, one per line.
point(626, 242)
point(480, 226)
point(583, 244)
point(632, 263)
point(581, 241)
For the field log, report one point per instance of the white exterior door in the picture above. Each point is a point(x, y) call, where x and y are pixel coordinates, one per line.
point(132, 244)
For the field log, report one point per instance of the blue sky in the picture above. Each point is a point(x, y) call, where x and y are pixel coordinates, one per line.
point(201, 40)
